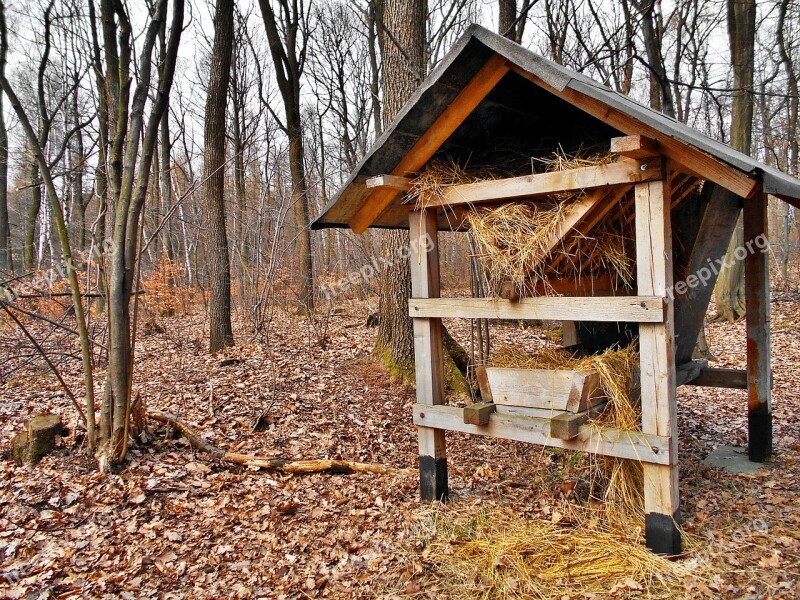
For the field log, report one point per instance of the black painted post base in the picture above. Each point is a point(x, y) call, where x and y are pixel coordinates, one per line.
point(759, 436)
point(433, 478)
point(661, 533)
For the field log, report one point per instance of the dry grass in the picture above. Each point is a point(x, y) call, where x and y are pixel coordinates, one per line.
point(494, 553)
point(514, 239)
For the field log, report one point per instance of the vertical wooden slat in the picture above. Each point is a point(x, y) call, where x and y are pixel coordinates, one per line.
point(756, 276)
point(425, 283)
point(657, 362)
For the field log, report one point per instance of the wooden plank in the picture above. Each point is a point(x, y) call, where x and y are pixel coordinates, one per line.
point(392, 182)
point(585, 285)
point(569, 334)
point(524, 411)
point(478, 413)
point(635, 445)
point(568, 425)
point(483, 384)
point(642, 309)
point(709, 167)
point(543, 184)
point(657, 365)
point(756, 278)
point(428, 357)
point(735, 379)
point(706, 245)
point(425, 147)
point(634, 146)
point(560, 390)
point(689, 371)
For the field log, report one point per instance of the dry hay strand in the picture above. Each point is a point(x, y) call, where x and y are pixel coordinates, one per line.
point(513, 239)
point(560, 160)
point(496, 553)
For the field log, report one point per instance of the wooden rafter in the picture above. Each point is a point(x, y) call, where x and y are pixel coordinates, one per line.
point(463, 104)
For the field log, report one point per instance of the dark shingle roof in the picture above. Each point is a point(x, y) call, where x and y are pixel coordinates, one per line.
point(502, 113)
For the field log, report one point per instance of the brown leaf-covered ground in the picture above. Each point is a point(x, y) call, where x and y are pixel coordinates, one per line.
point(175, 524)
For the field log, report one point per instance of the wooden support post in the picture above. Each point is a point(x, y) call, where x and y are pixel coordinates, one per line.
point(756, 277)
point(424, 257)
point(657, 364)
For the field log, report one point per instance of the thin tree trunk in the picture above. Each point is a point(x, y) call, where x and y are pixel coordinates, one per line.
point(219, 267)
point(374, 21)
point(6, 262)
point(32, 217)
point(288, 56)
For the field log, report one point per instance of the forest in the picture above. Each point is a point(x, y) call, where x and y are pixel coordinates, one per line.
point(226, 387)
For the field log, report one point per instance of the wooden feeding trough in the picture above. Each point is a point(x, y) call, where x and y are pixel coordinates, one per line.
point(566, 398)
point(679, 192)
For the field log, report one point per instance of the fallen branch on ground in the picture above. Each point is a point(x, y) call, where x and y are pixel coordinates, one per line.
point(273, 464)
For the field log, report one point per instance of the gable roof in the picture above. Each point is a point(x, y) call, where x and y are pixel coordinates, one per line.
point(537, 98)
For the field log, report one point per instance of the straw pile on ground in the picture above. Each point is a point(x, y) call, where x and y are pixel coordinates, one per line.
point(493, 553)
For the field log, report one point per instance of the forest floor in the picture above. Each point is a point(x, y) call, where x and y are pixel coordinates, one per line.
point(175, 523)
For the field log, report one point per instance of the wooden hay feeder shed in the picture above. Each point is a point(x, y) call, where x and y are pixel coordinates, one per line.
point(490, 93)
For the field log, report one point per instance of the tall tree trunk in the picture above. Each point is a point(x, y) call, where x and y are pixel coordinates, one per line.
point(6, 262)
point(374, 22)
point(405, 21)
point(729, 293)
point(784, 50)
point(219, 265)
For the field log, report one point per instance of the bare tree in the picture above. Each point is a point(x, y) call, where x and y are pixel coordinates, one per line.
point(6, 261)
point(288, 45)
point(510, 23)
point(221, 332)
point(130, 160)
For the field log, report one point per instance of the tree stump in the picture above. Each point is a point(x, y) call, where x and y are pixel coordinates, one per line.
point(38, 439)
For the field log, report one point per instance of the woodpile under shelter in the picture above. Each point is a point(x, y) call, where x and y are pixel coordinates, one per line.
point(676, 190)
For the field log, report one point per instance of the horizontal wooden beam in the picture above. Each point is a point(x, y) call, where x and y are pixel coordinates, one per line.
point(697, 372)
point(636, 309)
point(633, 445)
point(634, 146)
point(426, 146)
point(392, 182)
point(542, 184)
